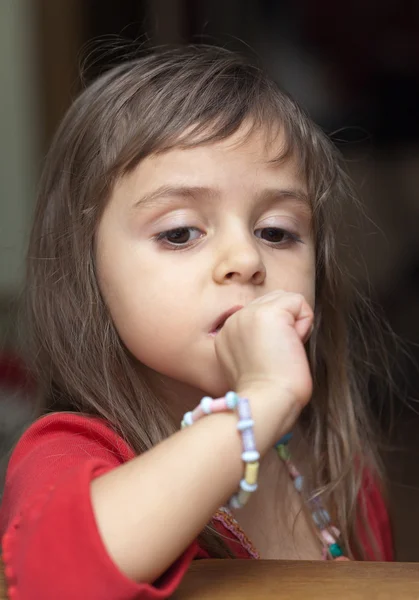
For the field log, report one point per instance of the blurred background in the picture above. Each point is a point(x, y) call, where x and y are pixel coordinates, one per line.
point(353, 66)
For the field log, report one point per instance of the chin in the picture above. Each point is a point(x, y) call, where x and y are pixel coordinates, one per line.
point(216, 389)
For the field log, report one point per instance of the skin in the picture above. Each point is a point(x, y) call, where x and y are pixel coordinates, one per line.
point(165, 297)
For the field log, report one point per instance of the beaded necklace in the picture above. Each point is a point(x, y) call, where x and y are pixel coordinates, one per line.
point(329, 535)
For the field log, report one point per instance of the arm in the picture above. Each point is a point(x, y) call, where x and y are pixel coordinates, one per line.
point(163, 499)
point(49, 537)
point(49, 534)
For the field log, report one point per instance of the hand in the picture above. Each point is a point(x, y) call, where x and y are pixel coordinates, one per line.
point(261, 350)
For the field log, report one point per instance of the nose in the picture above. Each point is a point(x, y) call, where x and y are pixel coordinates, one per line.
point(239, 260)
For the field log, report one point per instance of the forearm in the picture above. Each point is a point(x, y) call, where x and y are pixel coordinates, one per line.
point(150, 509)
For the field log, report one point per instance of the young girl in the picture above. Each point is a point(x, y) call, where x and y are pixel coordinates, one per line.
point(184, 247)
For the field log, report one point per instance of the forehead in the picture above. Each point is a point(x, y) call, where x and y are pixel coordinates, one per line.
point(251, 164)
point(250, 155)
point(264, 144)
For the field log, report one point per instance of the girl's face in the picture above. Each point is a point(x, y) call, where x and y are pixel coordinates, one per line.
point(192, 233)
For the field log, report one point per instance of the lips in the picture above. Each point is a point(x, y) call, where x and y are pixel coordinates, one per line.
point(219, 323)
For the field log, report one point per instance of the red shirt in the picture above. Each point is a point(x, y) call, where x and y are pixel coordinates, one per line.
point(50, 541)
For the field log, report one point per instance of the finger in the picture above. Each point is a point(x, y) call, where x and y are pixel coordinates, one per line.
point(304, 321)
point(270, 297)
point(293, 303)
point(300, 310)
point(308, 334)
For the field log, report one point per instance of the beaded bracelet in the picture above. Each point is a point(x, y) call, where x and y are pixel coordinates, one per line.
point(250, 456)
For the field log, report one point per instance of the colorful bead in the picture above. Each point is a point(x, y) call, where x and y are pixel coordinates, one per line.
point(251, 472)
point(321, 517)
point(219, 405)
point(248, 487)
point(245, 424)
point(315, 502)
point(334, 531)
point(285, 439)
point(231, 399)
point(205, 404)
point(298, 483)
point(243, 408)
point(234, 502)
point(187, 419)
point(327, 537)
point(292, 470)
point(284, 452)
point(197, 414)
point(243, 497)
point(335, 550)
point(250, 456)
point(330, 535)
point(248, 439)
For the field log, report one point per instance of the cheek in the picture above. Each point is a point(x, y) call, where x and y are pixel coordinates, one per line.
point(305, 273)
point(150, 313)
point(308, 289)
point(297, 276)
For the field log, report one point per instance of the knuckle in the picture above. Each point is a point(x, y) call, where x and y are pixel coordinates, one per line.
point(299, 298)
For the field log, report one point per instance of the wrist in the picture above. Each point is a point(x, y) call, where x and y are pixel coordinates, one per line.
point(240, 405)
point(274, 411)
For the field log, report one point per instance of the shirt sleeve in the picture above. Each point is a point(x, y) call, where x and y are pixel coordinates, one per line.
point(51, 545)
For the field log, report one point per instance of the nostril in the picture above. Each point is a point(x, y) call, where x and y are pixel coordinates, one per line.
point(258, 277)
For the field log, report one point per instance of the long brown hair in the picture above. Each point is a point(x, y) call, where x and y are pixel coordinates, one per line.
point(185, 97)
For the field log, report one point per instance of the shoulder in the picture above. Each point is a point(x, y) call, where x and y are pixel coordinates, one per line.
point(56, 448)
point(70, 434)
point(59, 443)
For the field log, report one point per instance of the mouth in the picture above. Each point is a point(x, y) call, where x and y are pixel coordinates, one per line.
point(220, 322)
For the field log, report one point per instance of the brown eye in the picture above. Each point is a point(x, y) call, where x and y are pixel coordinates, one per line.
point(273, 234)
point(277, 236)
point(180, 236)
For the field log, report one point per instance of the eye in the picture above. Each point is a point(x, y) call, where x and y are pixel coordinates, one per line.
point(276, 236)
point(181, 236)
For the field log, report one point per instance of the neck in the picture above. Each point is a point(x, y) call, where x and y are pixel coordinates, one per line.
point(178, 397)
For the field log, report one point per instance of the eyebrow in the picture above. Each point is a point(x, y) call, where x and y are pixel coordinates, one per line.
point(180, 191)
point(197, 193)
